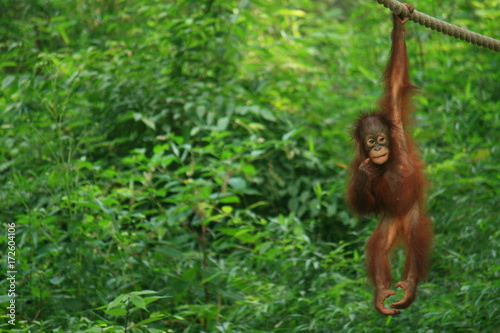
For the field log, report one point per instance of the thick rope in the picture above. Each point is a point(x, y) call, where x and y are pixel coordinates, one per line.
point(430, 22)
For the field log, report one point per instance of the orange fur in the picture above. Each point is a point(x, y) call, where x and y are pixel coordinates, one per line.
point(394, 190)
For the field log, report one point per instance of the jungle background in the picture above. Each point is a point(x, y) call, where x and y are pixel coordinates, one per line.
point(180, 166)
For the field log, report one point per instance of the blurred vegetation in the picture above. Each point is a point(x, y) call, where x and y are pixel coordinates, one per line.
point(180, 166)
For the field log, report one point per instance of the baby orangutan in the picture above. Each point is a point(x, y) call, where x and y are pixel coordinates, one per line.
point(387, 180)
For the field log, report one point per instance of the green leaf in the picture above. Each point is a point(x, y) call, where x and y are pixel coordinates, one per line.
point(249, 170)
point(210, 278)
point(317, 190)
point(154, 317)
point(292, 12)
point(237, 183)
point(138, 301)
point(143, 292)
point(222, 124)
point(57, 280)
point(152, 299)
point(148, 122)
point(117, 301)
point(116, 312)
point(7, 81)
point(214, 218)
point(230, 199)
point(227, 209)
point(170, 252)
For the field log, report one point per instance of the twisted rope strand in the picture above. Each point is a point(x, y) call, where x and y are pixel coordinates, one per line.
point(430, 22)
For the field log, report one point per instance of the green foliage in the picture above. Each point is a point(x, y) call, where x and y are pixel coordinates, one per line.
point(199, 149)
